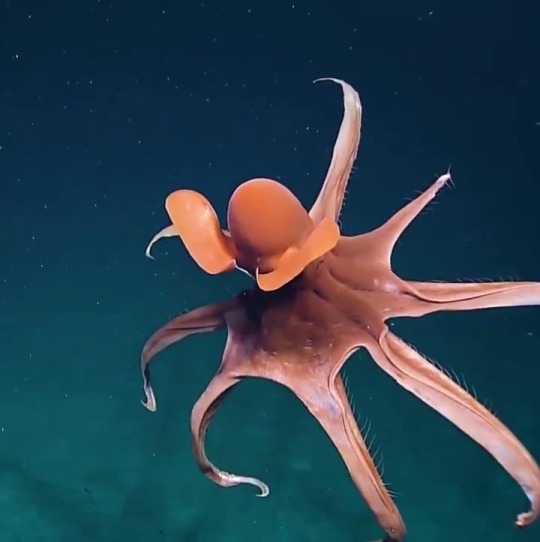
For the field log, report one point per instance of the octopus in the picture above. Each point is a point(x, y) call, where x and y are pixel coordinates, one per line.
point(318, 296)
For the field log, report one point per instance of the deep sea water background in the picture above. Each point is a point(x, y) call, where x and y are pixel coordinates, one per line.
point(106, 107)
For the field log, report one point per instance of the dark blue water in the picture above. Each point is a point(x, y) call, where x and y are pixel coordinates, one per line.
point(105, 108)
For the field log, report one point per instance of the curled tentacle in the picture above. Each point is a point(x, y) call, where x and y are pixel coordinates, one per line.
point(167, 231)
point(201, 416)
point(235, 365)
point(201, 320)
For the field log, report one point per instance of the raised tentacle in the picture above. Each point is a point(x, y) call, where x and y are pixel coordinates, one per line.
point(429, 384)
point(201, 320)
point(327, 401)
point(330, 199)
point(380, 242)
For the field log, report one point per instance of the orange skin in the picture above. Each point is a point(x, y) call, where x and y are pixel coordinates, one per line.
point(301, 322)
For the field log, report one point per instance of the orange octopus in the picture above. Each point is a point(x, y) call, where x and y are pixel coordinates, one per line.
point(319, 296)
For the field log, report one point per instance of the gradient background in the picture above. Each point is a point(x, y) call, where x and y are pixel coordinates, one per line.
point(106, 107)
